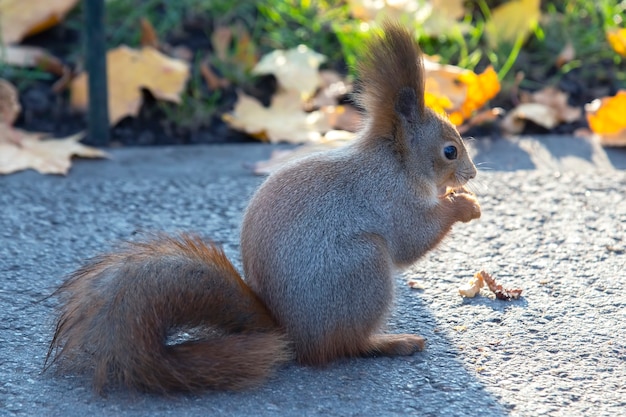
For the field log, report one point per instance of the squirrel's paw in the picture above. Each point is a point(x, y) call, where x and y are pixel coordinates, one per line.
point(396, 344)
point(466, 206)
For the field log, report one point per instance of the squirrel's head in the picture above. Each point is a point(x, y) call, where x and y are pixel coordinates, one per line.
point(429, 146)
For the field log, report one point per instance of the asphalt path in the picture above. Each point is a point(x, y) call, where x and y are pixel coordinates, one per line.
point(553, 223)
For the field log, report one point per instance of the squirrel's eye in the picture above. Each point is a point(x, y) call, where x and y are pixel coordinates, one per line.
point(450, 152)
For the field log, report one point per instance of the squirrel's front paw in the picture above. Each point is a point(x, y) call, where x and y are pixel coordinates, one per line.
point(466, 207)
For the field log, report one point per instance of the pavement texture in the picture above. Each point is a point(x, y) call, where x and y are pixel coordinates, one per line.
point(553, 223)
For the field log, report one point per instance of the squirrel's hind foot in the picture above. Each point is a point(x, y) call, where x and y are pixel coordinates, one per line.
point(395, 344)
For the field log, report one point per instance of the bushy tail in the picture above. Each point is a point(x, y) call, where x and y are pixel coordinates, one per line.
point(165, 314)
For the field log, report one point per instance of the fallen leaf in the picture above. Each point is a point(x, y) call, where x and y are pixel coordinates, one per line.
point(511, 21)
point(498, 290)
point(221, 38)
point(26, 150)
point(458, 92)
point(472, 288)
point(515, 120)
point(481, 118)
point(480, 89)
point(32, 56)
point(295, 69)
point(442, 85)
point(416, 284)
point(606, 119)
point(547, 107)
point(332, 87)
point(9, 103)
point(149, 36)
point(213, 81)
point(617, 40)
point(128, 71)
point(557, 100)
point(19, 18)
point(283, 121)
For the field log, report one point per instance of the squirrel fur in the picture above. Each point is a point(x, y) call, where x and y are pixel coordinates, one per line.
point(320, 242)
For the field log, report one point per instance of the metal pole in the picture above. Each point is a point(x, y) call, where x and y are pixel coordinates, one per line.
point(95, 57)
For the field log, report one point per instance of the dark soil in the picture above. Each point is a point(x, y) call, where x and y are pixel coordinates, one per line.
point(43, 110)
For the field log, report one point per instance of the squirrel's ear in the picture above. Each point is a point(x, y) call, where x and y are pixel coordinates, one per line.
point(407, 106)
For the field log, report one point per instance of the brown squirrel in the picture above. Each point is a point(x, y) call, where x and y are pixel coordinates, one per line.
point(320, 241)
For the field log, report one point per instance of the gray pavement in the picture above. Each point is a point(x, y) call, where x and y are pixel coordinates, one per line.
point(554, 220)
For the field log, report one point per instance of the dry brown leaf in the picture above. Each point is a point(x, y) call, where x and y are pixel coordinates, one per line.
point(606, 119)
point(482, 278)
point(481, 118)
point(20, 18)
point(128, 71)
point(557, 100)
point(26, 150)
point(149, 36)
point(283, 121)
point(295, 69)
point(221, 38)
point(547, 107)
point(500, 292)
point(213, 81)
point(9, 103)
point(416, 284)
point(515, 120)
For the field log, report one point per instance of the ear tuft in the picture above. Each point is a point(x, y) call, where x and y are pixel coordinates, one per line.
point(406, 104)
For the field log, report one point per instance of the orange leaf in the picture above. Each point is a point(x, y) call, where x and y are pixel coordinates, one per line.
point(617, 39)
point(19, 18)
point(606, 118)
point(128, 71)
point(480, 89)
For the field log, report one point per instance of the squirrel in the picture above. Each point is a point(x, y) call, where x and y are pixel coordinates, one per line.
point(320, 242)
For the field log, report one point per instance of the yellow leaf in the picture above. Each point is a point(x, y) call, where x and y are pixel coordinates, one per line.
point(20, 150)
point(128, 71)
point(458, 92)
point(606, 118)
point(20, 18)
point(295, 69)
point(512, 20)
point(284, 120)
point(617, 39)
point(480, 89)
